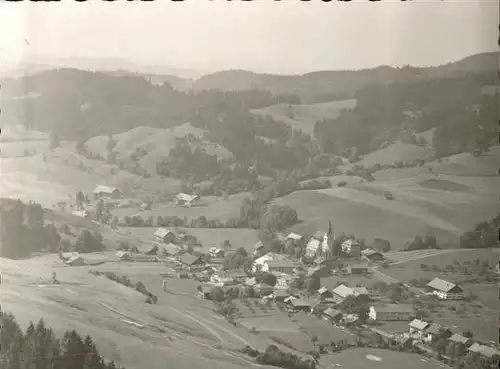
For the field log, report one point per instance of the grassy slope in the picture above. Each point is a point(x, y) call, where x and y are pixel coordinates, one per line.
point(306, 116)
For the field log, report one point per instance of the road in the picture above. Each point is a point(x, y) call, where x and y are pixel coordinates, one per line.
point(406, 256)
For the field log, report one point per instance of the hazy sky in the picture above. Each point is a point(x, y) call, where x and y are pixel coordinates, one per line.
point(277, 37)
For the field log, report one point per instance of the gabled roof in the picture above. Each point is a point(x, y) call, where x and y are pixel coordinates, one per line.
point(343, 291)
point(123, 254)
point(300, 303)
point(258, 245)
point(359, 266)
point(434, 328)
point(294, 236)
point(281, 293)
point(331, 312)
point(313, 243)
point(322, 290)
point(351, 242)
point(394, 308)
point(188, 259)
point(105, 189)
point(280, 263)
point(186, 197)
point(370, 252)
point(162, 232)
point(484, 350)
point(418, 324)
point(170, 249)
point(360, 291)
point(441, 285)
point(459, 338)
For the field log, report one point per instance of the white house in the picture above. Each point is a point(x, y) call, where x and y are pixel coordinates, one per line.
point(391, 312)
point(222, 279)
point(343, 291)
point(312, 248)
point(417, 328)
point(260, 264)
point(351, 247)
point(184, 199)
point(258, 248)
point(282, 266)
point(124, 255)
point(81, 213)
point(216, 252)
point(446, 290)
point(294, 236)
point(106, 191)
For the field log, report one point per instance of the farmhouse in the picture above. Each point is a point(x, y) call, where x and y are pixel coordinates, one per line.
point(325, 293)
point(222, 279)
point(436, 331)
point(343, 291)
point(190, 260)
point(261, 263)
point(446, 290)
point(417, 328)
point(458, 338)
point(483, 350)
point(282, 280)
point(352, 248)
point(170, 249)
point(332, 315)
point(215, 252)
point(106, 191)
point(312, 247)
point(357, 269)
point(282, 266)
point(294, 236)
point(183, 199)
point(390, 312)
point(81, 213)
point(372, 255)
point(124, 255)
point(163, 235)
point(299, 304)
point(72, 258)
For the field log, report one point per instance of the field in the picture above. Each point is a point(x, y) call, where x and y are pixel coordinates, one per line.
point(454, 205)
point(180, 329)
point(304, 117)
point(377, 359)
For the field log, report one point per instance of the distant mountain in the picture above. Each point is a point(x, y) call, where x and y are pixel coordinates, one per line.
point(334, 85)
point(157, 79)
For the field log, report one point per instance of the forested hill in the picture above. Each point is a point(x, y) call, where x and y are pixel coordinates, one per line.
point(335, 85)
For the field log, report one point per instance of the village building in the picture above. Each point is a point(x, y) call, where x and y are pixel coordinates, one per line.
point(283, 280)
point(263, 289)
point(294, 239)
point(325, 293)
point(260, 264)
point(124, 255)
point(357, 269)
point(250, 282)
point(299, 305)
point(72, 258)
point(282, 266)
point(352, 248)
point(170, 250)
point(360, 291)
point(342, 292)
point(436, 331)
point(312, 248)
point(332, 314)
point(445, 290)
point(372, 255)
point(485, 351)
point(190, 260)
point(163, 235)
point(222, 279)
point(391, 312)
point(184, 199)
point(106, 191)
point(81, 213)
point(280, 295)
point(417, 328)
point(459, 339)
point(240, 276)
point(216, 252)
point(497, 267)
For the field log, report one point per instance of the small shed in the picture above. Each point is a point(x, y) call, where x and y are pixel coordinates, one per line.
point(332, 314)
point(163, 235)
point(106, 191)
point(124, 255)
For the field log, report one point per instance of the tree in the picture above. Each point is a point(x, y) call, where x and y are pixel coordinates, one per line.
point(314, 282)
point(267, 278)
point(217, 294)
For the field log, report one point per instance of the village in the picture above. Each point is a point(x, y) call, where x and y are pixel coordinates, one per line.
point(323, 289)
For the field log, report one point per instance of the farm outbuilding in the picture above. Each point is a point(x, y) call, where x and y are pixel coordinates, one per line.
point(107, 191)
point(445, 290)
point(163, 235)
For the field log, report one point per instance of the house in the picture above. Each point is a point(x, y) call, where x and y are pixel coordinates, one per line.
point(190, 260)
point(124, 255)
point(250, 282)
point(391, 312)
point(372, 255)
point(417, 328)
point(445, 290)
point(170, 249)
point(205, 292)
point(163, 235)
point(72, 258)
point(240, 276)
point(312, 248)
point(81, 213)
point(357, 269)
point(184, 199)
point(351, 319)
point(459, 339)
point(222, 279)
point(352, 248)
point(436, 331)
point(260, 264)
point(106, 191)
point(283, 280)
point(299, 304)
point(325, 293)
point(263, 289)
point(332, 315)
point(282, 266)
point(294, 236)
point(359, 291)
point(343, 291)
point(215, 252)
point(483, 350)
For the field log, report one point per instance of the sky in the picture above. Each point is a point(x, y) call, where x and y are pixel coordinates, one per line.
point(288, 36)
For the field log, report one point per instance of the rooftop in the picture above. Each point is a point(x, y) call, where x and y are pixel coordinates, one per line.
point(441, 285)
point(418, 324)
point(188, 259)
point(294, 236)
point(394, 308)
point(170, 249)
point(331, 312)
point(343, 291)
point(484, 350)
point(280, 263)
point(459, 338)
point(434, 328)
point(162, 232)
point(105, 189)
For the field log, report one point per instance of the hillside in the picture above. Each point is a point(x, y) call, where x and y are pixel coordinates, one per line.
point(334, 85)
point(304, 117)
